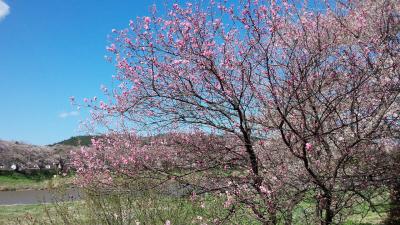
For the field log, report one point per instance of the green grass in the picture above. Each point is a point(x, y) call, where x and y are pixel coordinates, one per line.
point(10, 214)
point(147, 209)
point(360, 214)
point(17, 181)
point(34, 214)
point(155, 208)
point(123, 210)
point(371, 218)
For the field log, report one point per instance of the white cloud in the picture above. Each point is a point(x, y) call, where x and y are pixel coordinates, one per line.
point(64, 115)
point(4, 9)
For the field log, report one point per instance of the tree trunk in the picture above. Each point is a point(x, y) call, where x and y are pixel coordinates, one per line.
point(273, 218)
point(328, 211)
point(394, 213)
point(289, 219)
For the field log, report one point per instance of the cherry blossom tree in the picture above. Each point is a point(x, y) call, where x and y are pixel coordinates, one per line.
point(292, 97)
point(334, 87)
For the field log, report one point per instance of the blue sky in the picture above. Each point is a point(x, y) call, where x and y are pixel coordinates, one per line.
point(51, 50)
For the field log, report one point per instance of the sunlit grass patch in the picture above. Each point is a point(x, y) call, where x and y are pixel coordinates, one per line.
point(17, 181)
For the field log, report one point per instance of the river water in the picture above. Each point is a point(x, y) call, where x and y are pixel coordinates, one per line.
point(36, 196)
point(45, 196)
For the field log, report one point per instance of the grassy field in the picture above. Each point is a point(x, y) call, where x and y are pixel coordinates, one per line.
point(146, 210)
point(32, 214)
point(28, 214)
point(17, 181)
point(10, 214)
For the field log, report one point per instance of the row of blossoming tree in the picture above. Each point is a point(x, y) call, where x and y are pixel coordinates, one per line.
point(268, 102)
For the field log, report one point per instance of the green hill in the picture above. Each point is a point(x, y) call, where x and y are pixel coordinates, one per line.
point(84, 140)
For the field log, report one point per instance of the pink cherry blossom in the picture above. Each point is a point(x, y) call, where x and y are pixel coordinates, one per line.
point(281, 92)
point(309, 146)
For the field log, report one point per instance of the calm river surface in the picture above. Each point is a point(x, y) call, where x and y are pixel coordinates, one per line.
point(35, 196)
point(45, 196)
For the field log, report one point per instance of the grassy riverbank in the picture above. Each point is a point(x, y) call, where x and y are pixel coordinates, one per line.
point(28, 214)
point(31, 214)
point(13, 214)
point(148, 209)
point(18, 181)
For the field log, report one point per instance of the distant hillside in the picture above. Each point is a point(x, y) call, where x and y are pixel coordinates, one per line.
point(84, 140)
